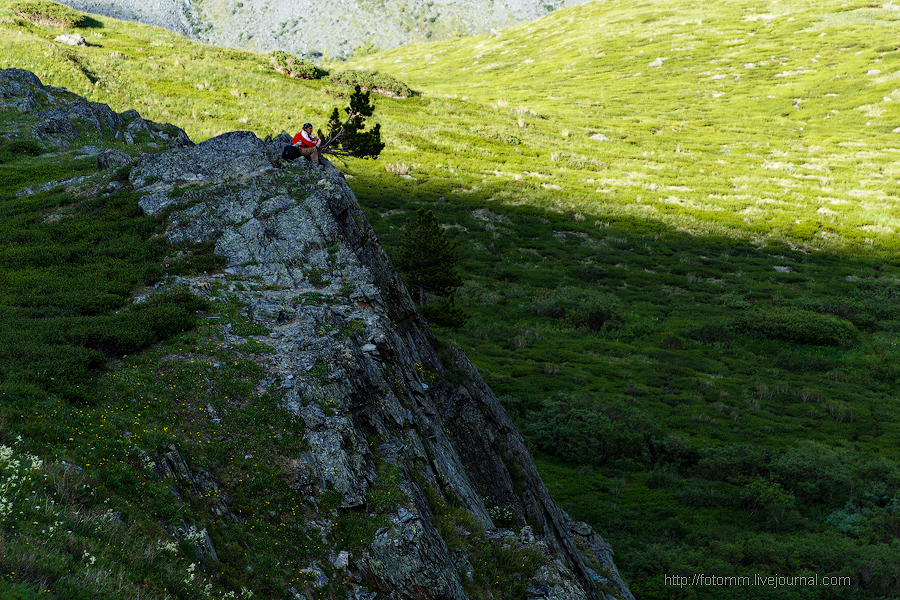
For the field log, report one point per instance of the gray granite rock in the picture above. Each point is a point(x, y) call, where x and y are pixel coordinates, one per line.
point(110, 158)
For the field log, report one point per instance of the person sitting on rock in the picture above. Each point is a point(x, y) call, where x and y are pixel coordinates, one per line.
point(307, 143)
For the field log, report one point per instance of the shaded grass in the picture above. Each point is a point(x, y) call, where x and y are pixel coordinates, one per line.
point(69, 267)
point(684, 360)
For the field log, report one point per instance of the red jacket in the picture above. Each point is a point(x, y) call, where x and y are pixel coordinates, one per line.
point(303, 139)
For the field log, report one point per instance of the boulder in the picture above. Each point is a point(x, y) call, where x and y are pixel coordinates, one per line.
point(97, 117)
point(107, 159)
point(21, 90)
point(72, 39)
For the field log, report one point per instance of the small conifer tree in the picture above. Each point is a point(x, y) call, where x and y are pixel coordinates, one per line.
point(347, 138)
point(427, 260)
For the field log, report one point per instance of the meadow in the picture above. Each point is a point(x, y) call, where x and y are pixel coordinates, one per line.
point(678, 232)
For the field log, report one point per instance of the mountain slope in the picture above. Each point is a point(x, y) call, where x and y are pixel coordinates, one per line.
point(762, 119)
point(313, 29)
point(381, 468)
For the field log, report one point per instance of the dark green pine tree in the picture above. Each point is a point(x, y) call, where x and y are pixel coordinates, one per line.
point(427, 261)
point(348, 138)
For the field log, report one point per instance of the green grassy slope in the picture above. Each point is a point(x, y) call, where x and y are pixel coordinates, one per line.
point(765, 118)
point(765, 134)
point(695, 321)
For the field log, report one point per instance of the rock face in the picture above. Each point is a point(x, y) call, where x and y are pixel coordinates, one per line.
point(313, 28)
point(289, 230)
point(353, 361)
point(173, 15)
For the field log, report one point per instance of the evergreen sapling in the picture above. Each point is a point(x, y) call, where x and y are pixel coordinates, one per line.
point(426, 260)
point(347, 138)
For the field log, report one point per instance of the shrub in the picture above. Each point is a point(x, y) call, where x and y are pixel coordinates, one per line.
point(589, 431)
point(735, 462)
point(298, 68)
point(852, 311)
point(711, 333)
point(662, 477)
point(60, 368)
point(805, 360)
point(798, 326)
point(880, 298)
point(373, 81)
point(131, 330)
point(12, 149)
point(815, 472)
point(366, 49)
point(44, 12)
point(445, 315)
point(770, 497)
point(589, 309)
point(578, 432)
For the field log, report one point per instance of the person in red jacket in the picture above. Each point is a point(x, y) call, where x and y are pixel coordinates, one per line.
point(307, 143)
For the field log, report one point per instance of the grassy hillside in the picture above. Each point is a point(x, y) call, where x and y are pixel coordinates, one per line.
point(720, 273)
point(770, 119)
point(678, 224)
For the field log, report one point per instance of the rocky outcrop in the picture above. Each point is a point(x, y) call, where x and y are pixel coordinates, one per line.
point(351, 359)
point(291, 231)
point(64, 120)
point(23, 91)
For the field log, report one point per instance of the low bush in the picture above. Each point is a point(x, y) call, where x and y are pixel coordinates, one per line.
point(810, 360)
point(64, 304)
point(133, 330)
point(292, 66)
point(662, 477)
point(581, 307)
point(815, 472)
point(58, 368)
point(711, 333)
point(44, 12)
point(798, 326)
point(853, 311)
point(599, 432)
point(12, 149)
point(373, 81)
point(880, 298)
point(770, 498)
point(734, 462)
point(810, 469)
point(62, 354)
